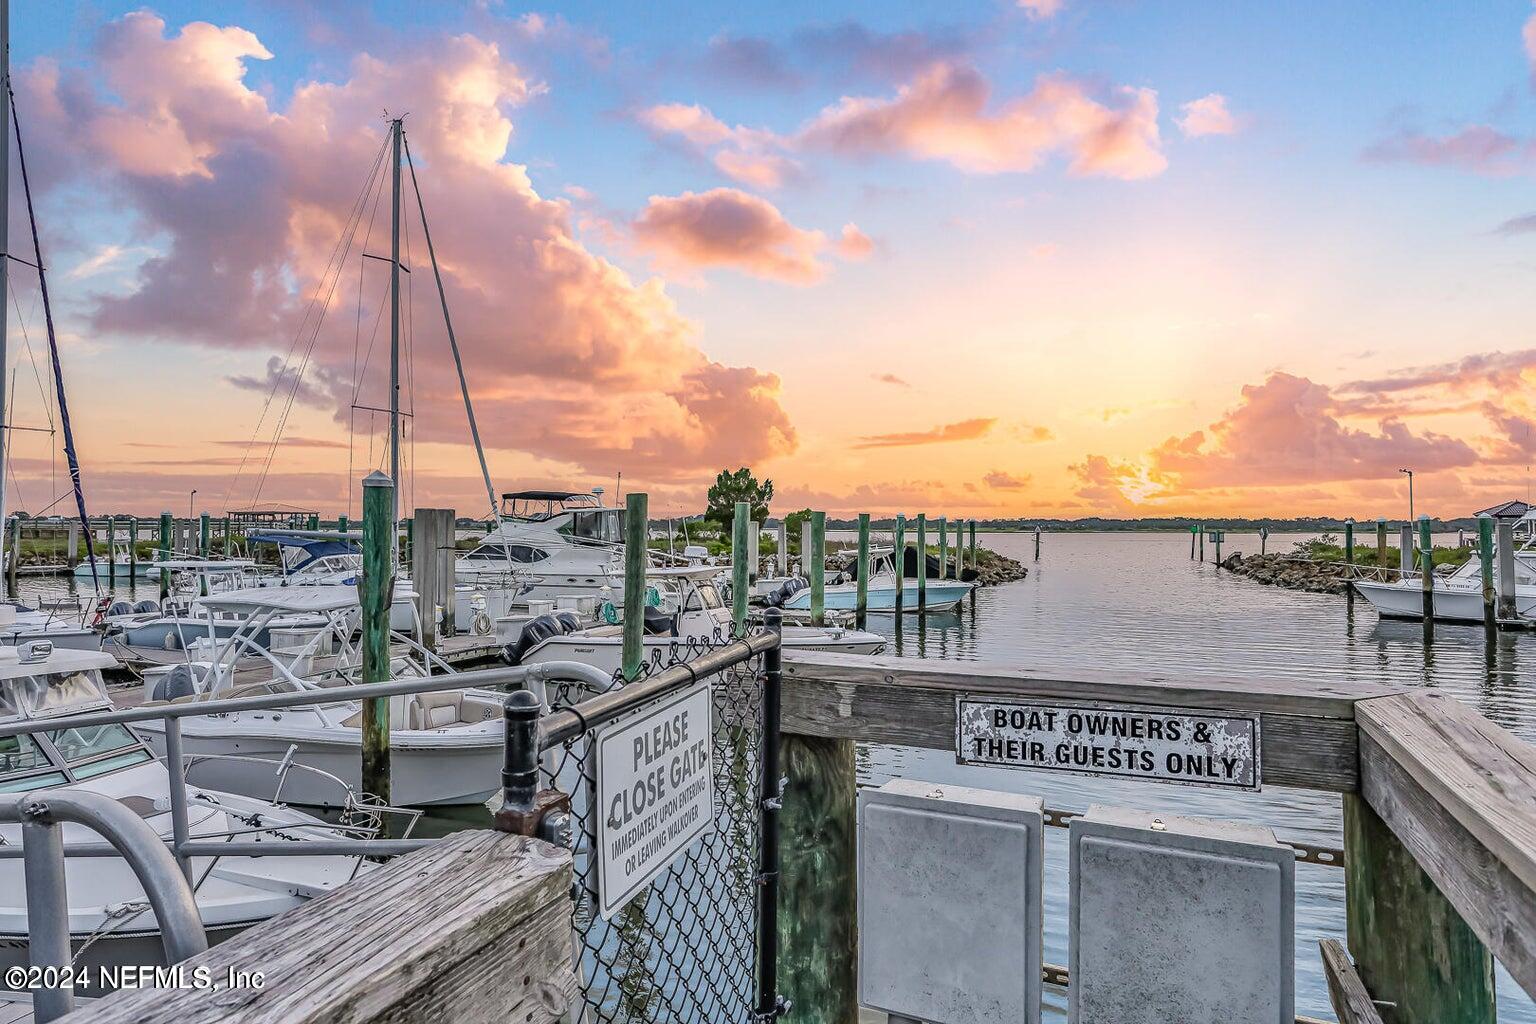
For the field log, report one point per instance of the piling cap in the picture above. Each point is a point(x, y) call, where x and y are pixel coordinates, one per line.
point(377, 479)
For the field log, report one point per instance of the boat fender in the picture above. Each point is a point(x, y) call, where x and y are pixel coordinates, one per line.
point(172, 642)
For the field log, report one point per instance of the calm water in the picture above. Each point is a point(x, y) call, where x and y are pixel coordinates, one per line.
point(1136, 603)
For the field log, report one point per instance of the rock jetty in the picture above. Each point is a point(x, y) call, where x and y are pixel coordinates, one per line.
point(1291, 572)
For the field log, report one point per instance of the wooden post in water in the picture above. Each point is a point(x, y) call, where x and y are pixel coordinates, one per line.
point(1037, 543)
point(314, 522)
point(1485, 563)
point(1411, 948)
point(740, 573)
point(805, 548)
point(1381, 543)
point(1217, 536)
point(943, 527)
point(922, 564)
point(754, 549)
point(818, 568)
point(1427, 571)
point(202, 550)
point(975, 564)
point(861, 602)
point(133, 548)
point(782, 533)
point(434, 546)
point(818, 880)
point(1202, 544)
point(1194, 532)
point(377, 586)
point(637, 510)
point(228, 540)
point(13, 557)
point(111, 552)
point(1506, 555)
point(959, 547)
point(165, 554)
point(341, 524)
point(72, 551)
point(1349, 542)
point(1405, 548)
point(899, 553)
point(1263, 540)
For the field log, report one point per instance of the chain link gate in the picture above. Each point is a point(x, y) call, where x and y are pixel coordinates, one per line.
point(697, 945)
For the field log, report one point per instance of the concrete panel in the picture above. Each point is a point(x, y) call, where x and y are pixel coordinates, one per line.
point(1180, 919)
point(950, 903)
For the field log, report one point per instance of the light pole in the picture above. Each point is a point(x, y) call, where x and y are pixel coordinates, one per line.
point(191, 500)
point(1410, 492)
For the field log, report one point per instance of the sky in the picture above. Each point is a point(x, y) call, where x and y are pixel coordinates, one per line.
point(1005, 258)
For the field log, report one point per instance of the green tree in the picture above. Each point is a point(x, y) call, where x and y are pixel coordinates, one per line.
point(729, 488)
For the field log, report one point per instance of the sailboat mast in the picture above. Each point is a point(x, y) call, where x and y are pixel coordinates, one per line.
point(5, 234)
point(395, 128)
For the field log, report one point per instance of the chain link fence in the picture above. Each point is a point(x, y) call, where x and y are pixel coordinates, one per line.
point(685, 948)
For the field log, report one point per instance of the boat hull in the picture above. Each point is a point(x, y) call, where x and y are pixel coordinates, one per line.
point(1398, 601)
point(942, 595)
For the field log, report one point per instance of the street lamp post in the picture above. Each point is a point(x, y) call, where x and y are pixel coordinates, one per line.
point(1409, 472)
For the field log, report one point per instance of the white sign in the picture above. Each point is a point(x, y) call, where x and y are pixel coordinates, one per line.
point(655, 793)
point(1181, 745)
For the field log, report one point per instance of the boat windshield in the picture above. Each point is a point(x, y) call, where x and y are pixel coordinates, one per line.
point(704, 595)
point(605, 525)
point(536, 506)
point(50, 693)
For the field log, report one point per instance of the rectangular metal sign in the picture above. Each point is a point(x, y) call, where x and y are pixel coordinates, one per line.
point(1185, 746)
point(655, 793)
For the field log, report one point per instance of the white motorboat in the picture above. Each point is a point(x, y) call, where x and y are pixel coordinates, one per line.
point(20, 624)
point(683, 615)
point(1457, 597)
point(565, 543)
point(941, 595)
point(445, 747)
point(107, 905)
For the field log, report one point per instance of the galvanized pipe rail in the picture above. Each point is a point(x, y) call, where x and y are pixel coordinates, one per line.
point(170, 895)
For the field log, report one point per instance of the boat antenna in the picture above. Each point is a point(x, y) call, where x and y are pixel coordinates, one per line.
point(53, 340)
point(453, 342)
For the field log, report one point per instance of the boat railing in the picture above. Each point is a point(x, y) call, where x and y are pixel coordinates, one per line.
point(40, 815)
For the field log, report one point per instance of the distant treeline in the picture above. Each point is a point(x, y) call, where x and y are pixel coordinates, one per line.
point(1097, 524)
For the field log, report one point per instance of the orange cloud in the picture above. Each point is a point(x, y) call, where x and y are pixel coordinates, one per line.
point(965, 430)
point(854, 244)
point(1206, 116)
point(726, 227)
point(1285, 431)
point(1006, 481)
point(942, 115)
point(747, 154)
point(250, 198)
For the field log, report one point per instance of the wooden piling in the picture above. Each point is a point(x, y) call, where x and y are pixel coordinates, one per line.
point(782, 533)
point(111, 552)
point(1427, 574)
point(13, 557)
point(1405, 560)
point(165, 553)
point(1263, 540)
point(942, 524)
point(818, 568)
point(1508, 611)
point(1485, 564)
point(754, 550)
point(133, 548)
point(1202, 546)
point(72, 549)
point(1037, 542)
point(637, 510)
point(818, 880)
point(1194, 532)
point(431, 555)
point(227, 539)
point(377, 586)
point(974, 563)
point(202, 550)
point(1381, 543)
point(1410, 946)
point(1349, 542)
point(959, 547)
point(899, 554)
point(805, 548)
point(341, 524)
point(922, 564)
point(740, 558)
point(861, 601)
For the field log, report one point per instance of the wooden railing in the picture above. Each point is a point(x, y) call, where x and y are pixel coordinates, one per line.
point(1439, 809)
point(477, 928)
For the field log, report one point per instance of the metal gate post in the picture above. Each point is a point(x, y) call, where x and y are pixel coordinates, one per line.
point(769, 1003)
point(42, 848)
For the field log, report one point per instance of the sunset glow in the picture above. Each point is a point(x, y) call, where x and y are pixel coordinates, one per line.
point(995, 259)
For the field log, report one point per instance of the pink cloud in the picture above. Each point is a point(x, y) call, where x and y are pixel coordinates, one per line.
point(747, 155)
point(890, 378)
point(1006, 481)
point(942, 115)
point(726, 227)
point(854, 244)
point(245, 201)
point(1206, 116)
point(1041, 9)
point(1528, 36)
point(1478, 148)
point(1286, 431)
point(965, 430)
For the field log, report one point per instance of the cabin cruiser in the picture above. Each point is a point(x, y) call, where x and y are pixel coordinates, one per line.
point(684, 612)
point(566, 543)
point(107, 906)
point(1458, 596)
point(941, 594)
point(445, 747)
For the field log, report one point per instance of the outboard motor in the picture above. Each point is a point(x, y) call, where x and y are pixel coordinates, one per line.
point(536, 631)
point(180, 681)
point(119, 609)
point(788, 589)
point(145, 607)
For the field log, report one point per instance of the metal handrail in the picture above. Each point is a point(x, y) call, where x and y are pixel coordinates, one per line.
point(170, 895)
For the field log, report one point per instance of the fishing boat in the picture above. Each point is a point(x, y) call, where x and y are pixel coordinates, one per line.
point(109, 918)
point(941, 594)
point(445, 747)
point(684, 614)
point(1458, 596)
point(564, 543)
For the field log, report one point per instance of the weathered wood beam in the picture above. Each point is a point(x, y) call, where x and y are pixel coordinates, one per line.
point(474, 929)
point(1459, 793)
point(1309, 737)
point(1351, 1002)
